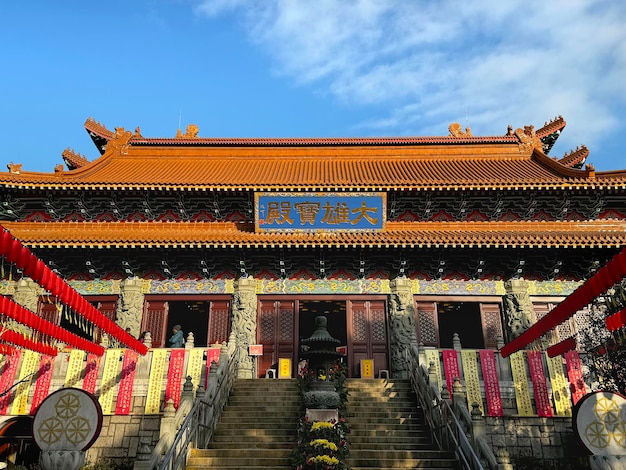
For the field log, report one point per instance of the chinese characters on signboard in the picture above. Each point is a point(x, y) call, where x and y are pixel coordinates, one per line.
point(320, 212)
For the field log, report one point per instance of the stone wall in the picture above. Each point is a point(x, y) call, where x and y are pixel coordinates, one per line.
point(550, 441)
point(122, 435)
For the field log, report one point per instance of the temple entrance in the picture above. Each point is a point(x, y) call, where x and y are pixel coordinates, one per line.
point(462, 318)
point(359, 322)
point(206, 317)
point(334, 311)
point(477, 321)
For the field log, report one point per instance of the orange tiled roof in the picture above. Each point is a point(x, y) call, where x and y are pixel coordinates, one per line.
point(561, 234)
point(188, 162)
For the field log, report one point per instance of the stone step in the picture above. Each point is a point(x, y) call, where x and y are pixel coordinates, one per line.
point(248, 420)
point(248, 458)
point(391, 443)
point(382, 430)
point(230, 444)
point(263, 408)
point(269, 433)
point(384, 412)
point(402, 459)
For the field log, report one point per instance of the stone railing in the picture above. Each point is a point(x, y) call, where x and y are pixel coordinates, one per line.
point(447, 418)
point(192, 425)
point(515, 433)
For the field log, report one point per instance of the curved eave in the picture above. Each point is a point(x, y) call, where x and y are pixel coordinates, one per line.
point(526, 234)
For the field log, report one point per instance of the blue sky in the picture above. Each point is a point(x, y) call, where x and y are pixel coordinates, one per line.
point(297, 68)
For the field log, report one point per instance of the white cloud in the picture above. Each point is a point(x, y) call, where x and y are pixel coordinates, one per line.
point(431, 63)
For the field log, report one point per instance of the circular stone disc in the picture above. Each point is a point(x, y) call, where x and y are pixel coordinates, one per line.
point(68, 419)
point(600, 423)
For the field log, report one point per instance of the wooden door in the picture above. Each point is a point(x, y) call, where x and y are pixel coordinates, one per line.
point(367, 335)
point(49, 311)
point(108, 308)
point(219, 322)
point(427, 323)
point(275, 331)
point(155, 321)
point(492, 324)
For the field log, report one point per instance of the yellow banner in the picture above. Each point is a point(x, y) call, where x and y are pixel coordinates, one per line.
point(155, 384)
point(194, 366)
point(74, 368)
point(560, 386)
point(284, 368)
point(520, 382)
point(367, 368)
point(472, 382)
point(112, 368)
point(30, 364)
point(432, 356)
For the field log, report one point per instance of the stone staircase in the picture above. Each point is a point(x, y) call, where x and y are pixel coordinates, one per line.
point(257, 429)
point(388, 428)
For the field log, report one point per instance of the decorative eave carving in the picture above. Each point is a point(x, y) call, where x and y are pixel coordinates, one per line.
point(576, 158)
point(191, 132)
point(555, 125)
point(73, 159)
point(456, 130)
point(528, 139)
point(550, 133)
point(97, 128)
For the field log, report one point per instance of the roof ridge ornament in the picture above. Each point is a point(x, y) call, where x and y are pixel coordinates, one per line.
point(14, 168)
point(528, 139)
point(456, 130)
point(191, 132)
point(119, 141)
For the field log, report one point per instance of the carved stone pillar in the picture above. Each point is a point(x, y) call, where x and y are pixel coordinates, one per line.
point(401, 324)
point(130, 306)
point(518, 307)
point(26, 294)
point(244, 324)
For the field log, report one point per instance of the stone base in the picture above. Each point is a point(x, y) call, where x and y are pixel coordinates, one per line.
point(607, 462)
point(316, 414)
point(61, 459)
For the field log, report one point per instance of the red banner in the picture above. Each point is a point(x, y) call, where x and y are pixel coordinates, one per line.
point(212, 355)
point(540, 386)
point(450, 367)
point(7, 378)
point(125, 392)
point(175, 376)
point(42, 384)
point(575, 375)
point(490, 379)
point(91, 373)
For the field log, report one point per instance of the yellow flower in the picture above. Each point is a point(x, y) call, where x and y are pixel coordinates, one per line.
point(325, 443)
point(320, 425)
point(325, 459)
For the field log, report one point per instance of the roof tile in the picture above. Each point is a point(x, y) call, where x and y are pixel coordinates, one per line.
point(600, 233)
